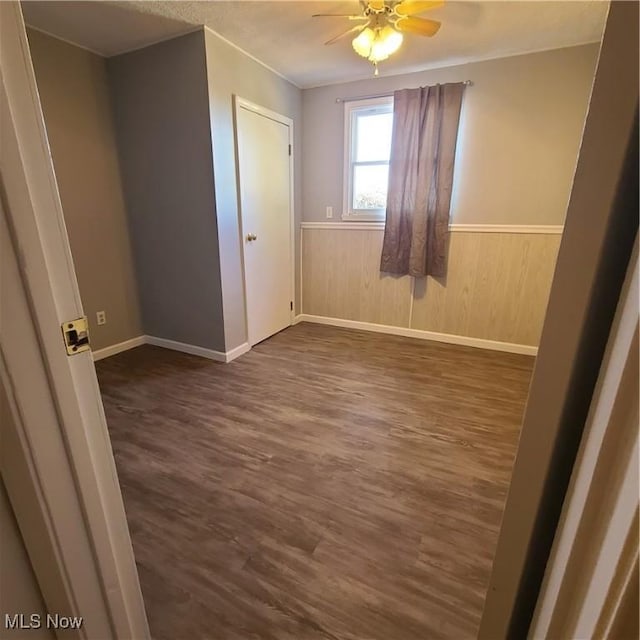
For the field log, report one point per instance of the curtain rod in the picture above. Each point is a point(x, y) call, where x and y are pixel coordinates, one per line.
point(468, 83)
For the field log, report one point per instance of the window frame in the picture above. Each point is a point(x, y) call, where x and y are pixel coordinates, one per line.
point(352, 108)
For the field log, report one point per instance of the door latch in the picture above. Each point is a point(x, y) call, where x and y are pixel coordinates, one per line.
point(76, 336)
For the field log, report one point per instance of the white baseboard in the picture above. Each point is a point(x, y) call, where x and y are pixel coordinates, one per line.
point(238, 351)
point(449, 338)
point(118, 348)
point(183, 347)
point(547, 229)
point(218, 356)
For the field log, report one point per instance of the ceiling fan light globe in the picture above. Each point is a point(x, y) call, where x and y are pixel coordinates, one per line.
point(391, 39)
point(362, 43)
point(378, 51)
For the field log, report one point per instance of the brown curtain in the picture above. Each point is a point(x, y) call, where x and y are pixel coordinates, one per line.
point(425, 129)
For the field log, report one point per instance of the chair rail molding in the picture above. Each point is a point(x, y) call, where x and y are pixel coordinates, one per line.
point(550, 229)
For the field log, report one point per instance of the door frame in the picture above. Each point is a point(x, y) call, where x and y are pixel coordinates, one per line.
point(602, 501)
point(596, 248)
point(106, 587)
point(242, 103)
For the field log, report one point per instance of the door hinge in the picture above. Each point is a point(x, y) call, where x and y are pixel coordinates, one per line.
point(76, 335)
point(289, 149)
point(291, 305)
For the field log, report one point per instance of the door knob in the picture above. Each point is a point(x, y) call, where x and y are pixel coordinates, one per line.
point(251, 237)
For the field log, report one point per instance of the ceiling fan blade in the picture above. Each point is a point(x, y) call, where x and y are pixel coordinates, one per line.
point(357, 28)
point(420, 26)
point(413, 7)
point(339, 15)
point(376, 5)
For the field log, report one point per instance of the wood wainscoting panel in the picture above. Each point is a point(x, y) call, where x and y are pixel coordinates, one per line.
point(496, 288)
point(341, 278)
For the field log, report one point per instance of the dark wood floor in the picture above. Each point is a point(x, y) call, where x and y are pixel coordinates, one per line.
point(328, 484)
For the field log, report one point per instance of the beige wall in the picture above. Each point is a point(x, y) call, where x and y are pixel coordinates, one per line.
point(479, 298)
point(230, 73)
point(75, 99)
point(520, 133)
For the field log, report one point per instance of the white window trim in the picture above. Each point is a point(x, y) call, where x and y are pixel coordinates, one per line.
point(371, 215)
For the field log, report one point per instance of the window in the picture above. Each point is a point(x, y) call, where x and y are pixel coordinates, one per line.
point(368, 125)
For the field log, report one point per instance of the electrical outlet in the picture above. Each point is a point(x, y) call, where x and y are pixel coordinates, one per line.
point(329, 212)
point(101, 317)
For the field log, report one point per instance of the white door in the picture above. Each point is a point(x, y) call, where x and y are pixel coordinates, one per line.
point(264, 171)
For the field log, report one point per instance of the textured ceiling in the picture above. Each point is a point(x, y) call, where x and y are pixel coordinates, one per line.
point(284, 36)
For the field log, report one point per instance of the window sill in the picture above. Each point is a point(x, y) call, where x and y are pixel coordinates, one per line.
point(363, 217)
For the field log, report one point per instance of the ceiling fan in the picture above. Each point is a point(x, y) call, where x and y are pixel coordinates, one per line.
point(382, 24)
